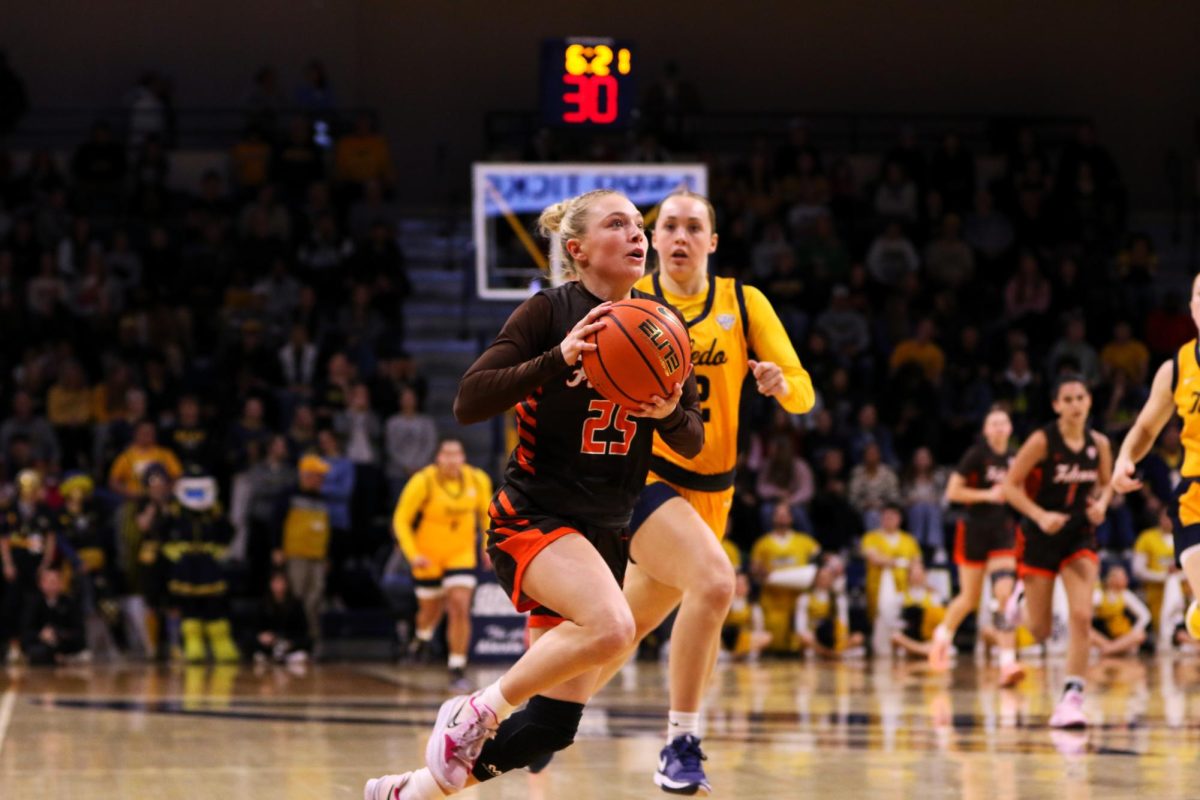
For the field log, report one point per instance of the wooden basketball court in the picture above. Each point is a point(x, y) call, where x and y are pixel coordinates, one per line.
point(779, 729)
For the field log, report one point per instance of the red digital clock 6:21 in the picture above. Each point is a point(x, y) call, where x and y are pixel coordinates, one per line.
point(587, 82)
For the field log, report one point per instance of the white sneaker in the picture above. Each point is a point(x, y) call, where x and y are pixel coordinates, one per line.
point(386, 788)
point(463, 724)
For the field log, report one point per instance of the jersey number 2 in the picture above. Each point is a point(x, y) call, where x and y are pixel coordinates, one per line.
point(620, 421)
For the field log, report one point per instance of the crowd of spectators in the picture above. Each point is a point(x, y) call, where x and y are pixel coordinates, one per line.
point(239, 329)
point(919, 296)
point(250, 329)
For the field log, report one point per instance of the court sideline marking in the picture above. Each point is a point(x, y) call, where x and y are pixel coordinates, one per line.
point(6, 711)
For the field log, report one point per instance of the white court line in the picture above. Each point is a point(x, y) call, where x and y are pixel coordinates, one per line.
point(6, 711)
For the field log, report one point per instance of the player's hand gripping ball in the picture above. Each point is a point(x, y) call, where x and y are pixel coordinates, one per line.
point(642, 351)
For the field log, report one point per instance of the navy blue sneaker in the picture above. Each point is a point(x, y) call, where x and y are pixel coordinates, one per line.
point(679, 767)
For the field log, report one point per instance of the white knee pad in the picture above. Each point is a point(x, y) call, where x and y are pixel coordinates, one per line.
point(460, 582)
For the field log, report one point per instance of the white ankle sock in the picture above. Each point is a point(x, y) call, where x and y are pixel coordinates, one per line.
point(942, 634)
point(680, 723)
point(425, 634)
point(1007, 656)
point(422, 786)
point(497, 701)
point(457, 661)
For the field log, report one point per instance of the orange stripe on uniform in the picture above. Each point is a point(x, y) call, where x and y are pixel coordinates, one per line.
point(1078, 554)
point(960, 546)
point(1024, 571)
point(506, 504)
point(523, 547)
point(525, 416)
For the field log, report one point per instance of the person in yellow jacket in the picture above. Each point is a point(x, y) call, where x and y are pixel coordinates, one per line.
point(781, 561)
point(442, 512)
point(888, 549)
point(1153, 563)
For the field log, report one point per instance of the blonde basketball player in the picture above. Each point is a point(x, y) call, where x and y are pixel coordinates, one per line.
point(676, 555)
point(1176, 390)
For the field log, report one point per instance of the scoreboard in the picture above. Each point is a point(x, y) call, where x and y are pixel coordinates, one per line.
point(587, 82)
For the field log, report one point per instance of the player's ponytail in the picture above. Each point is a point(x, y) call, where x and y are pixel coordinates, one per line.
point(568, 219)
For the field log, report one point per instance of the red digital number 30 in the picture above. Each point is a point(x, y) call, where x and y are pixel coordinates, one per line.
point(590, 90)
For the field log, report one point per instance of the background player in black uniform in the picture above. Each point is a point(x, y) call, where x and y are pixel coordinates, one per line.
point(559, 536)
point(983, 541)
point(1059, 481)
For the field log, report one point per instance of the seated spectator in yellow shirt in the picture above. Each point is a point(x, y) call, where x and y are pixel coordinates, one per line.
point(921, 350)
point(363, 155)
point(1126, 354)
point(125, 476)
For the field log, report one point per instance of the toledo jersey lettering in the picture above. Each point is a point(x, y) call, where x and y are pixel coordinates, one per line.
point(1065, 479)
point(982, 468)
point(718, 338)
point(578, 456)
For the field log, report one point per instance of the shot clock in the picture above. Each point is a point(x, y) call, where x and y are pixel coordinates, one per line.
point(587, 82)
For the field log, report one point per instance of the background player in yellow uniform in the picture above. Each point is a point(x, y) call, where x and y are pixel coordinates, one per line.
point(439, 518)
point(1153, 563)
point(676, 557)
point(781, 562)
point(1176, 389)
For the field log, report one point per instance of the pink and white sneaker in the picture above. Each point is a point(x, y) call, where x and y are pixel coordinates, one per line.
point(1069, 712)
point(1011, 675)
point(386, 788)
point(463, 724)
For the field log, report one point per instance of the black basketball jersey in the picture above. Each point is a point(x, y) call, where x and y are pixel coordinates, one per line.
point(578, 455)
point(1065, 479)
point(982, 468)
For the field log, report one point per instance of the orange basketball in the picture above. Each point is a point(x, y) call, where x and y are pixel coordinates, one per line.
point(642, 351)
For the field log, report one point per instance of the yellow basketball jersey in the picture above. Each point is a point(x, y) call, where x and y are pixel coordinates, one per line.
point(443, 511)
point(1187, 403)
point(725, 323)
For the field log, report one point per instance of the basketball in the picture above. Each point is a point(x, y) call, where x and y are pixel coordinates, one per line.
point(643, 351)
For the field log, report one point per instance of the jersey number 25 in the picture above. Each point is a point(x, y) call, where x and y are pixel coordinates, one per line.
point(610, 445)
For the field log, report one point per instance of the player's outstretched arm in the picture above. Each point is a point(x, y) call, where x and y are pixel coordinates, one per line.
point(1150, 422)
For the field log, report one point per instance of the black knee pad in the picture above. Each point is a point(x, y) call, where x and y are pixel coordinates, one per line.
point(543, 727)
point(1001, 574)
point(999, 618)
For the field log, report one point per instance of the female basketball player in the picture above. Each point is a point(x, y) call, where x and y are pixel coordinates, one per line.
point(559, 523)
point(676, 554)
point(450, 498)
point(1175, 389)
point(983, 543)
point(1067, 467)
